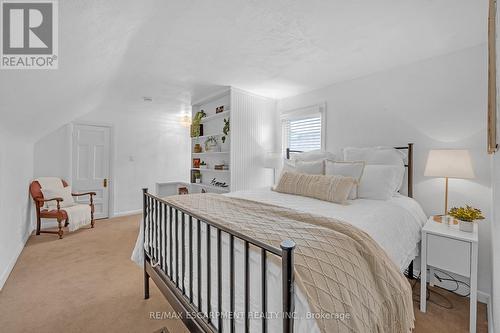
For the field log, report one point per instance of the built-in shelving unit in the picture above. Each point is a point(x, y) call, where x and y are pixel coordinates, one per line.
point(213, 126)
point(252, 121)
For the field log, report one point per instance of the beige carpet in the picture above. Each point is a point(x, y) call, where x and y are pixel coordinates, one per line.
point(87, 283)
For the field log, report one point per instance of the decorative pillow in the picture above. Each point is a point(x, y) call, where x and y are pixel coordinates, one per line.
point(310, 168)
point(313, 155)
point(328, 188)
point(64, 193)
point(346, 169)
point(380, 182)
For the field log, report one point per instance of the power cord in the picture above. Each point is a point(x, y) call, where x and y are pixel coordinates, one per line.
point(445, 303)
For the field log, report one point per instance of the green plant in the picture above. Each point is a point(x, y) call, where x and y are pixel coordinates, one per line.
point(203, 163)
point(196, 123)
point(467, 213)
point(211, 141)
point(225, 130)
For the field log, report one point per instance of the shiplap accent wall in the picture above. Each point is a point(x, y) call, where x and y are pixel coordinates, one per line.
point(253, 123)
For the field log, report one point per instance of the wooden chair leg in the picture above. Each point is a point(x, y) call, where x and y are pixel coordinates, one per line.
point(38, 226)
point(61, 232)
point(92, 216)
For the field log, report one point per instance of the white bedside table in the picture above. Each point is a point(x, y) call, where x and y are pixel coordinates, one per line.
point(447, 248)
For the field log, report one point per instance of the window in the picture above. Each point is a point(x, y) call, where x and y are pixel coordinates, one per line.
point(303, 129)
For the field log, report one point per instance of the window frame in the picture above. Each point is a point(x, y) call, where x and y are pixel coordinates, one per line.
point(301, 113)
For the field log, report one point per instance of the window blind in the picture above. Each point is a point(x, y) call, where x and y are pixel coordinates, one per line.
point(303, 134)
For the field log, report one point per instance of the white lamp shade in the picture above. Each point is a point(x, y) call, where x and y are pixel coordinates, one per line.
point(273, 160)
point(450, 163)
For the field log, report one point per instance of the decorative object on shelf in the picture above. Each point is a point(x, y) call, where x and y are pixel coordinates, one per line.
point(194, 174)
point(219, 109)
point(203, 165)
point(466, 217)
point(196, 163)
point(225, 130)
point(197, 178)
point(211, 144)
point(215, 182)
point(183, 190)
point(221, 166)
point(196, 126)
point(197, 148)
point(449, 163)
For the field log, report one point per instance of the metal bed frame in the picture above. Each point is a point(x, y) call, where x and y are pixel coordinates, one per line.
point(409, 173)
point(161, 234)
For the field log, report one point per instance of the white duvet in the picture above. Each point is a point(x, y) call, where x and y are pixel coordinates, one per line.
point(395, 224)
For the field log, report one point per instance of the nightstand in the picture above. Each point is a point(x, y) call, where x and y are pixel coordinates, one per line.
point(447, 248)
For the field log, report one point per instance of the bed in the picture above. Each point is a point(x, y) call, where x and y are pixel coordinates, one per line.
point(246, 276)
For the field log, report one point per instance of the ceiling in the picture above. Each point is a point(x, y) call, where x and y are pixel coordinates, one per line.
point(113, 52)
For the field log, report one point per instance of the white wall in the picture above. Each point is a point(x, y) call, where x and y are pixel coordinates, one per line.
point(438, 103)
point(16, 172)
point(149, 145)
point(51, 153)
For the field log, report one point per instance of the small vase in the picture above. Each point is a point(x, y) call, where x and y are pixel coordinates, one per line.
point(466, 226)
point(197, 148)
point(198, 180)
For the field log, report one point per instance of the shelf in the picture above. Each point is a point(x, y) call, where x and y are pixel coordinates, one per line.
point(206, 136)
point(216, 116)
point(222, 189)
point(211, 170)
point(211, 153)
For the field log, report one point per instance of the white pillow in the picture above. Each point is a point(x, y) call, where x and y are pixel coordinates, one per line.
point(375, 155)
point(346, 169)
point(310, 168)
point(380, 182)
point(64, 193)
point(313, 155)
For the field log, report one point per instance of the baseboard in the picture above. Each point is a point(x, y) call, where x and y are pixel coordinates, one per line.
point(128, 213)
point(5, 274)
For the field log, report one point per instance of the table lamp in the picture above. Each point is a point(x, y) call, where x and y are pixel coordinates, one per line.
point(273, 160)
point(449, 163)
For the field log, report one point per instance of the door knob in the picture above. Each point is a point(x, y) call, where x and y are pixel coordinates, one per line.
point(105, 182)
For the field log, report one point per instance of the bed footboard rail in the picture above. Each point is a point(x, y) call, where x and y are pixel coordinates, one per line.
point(175, 253)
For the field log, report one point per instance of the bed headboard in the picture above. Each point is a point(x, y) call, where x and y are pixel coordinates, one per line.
point(408, 165)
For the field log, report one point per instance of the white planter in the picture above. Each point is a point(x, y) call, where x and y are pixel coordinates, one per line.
point(198, 180)
point(466, 226)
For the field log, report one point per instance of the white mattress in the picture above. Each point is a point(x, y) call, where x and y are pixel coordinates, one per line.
point(395, 224)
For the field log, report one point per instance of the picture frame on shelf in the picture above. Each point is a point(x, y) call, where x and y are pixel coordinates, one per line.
point(196, 163)
point(219, 109)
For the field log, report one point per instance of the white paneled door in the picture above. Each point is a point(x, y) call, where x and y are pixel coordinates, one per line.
point(91, 156)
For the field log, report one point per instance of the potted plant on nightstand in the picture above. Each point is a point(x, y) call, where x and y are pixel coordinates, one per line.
point(466, 217)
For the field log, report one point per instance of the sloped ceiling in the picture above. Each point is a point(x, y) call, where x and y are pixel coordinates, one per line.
point(113, 52)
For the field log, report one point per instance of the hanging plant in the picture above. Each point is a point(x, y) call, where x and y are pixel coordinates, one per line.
point(225, 130)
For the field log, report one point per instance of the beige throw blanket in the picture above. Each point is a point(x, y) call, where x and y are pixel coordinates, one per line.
point(340, 268)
